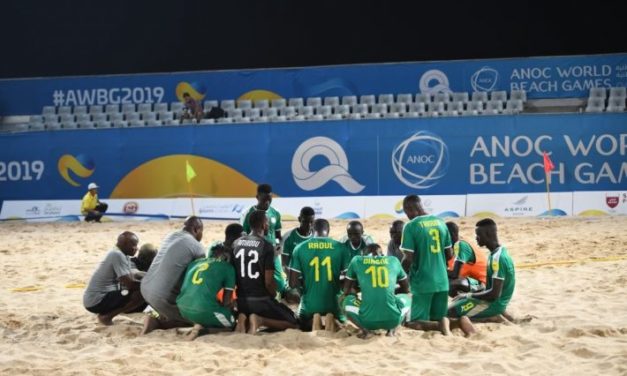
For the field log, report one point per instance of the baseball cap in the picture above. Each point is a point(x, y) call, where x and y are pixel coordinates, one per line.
point(92, 186)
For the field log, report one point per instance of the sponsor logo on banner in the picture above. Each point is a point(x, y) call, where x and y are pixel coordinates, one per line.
point(519, 207)
point(130, 207)
point(318, 209)
point(612, 201)
point(82, 166)
point(337, 170)
point(421, 160)
point(52, 210)
point(484, 79)
point(32, 211)
point(221, 209)
point(434, 81)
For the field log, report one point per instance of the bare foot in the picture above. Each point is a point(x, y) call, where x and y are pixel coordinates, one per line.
point(466, 326)
point(241, 323)
point(329, 322)
point(316, 322)
point(193, 334)
point(150, 323)
point(105, 319)
point(391, 333)
point(445, 326)
point(254, 322)
point(364, 334)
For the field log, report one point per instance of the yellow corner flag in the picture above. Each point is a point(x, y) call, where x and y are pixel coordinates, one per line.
point(189, 171)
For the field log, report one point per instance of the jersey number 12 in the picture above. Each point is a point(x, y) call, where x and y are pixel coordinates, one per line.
point(254, 257)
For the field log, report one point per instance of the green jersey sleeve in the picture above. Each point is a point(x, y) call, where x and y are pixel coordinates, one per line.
point(229, 280)
point(278, 222)
point(407, 240)
point(295, 261)
point(464, 252)
point(352, 272)
point(502, 268)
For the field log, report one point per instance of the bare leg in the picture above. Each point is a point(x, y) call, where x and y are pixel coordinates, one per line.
point(499, 319)
point(329, 322)
point(135, 301)
point(241, 323)
point(151, 323)
point(465, 325)
point(363, 332)
point(391, 332)
point(316, 322)
point(445, 326)
point(194, 333)
point(423, 325)
point(257, 321)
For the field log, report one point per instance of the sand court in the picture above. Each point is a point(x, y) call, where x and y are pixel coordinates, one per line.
point(571, 276)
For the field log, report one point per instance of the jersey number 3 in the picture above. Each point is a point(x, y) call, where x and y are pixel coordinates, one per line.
point(246, 269)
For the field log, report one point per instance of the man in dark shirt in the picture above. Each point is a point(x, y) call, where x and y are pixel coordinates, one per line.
point(253, 259)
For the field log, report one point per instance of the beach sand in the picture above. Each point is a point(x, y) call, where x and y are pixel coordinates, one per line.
point(580, 310)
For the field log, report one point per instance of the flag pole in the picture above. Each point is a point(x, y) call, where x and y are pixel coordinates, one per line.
point(548, 192)
point(191, 197)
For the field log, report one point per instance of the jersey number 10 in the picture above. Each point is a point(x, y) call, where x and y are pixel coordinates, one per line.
point(380, 276)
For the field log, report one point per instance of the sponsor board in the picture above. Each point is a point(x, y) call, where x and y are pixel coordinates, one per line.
point(600, 203)
point(392, 206)
point(519, 204)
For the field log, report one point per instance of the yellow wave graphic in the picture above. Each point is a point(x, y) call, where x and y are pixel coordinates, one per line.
point(255, 95)
point(195, 90)
point(592, 213)
point(165, 177)
point(485, 214)
point(68, 163)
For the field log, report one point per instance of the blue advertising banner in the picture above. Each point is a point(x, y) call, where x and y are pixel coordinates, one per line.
point(542, 77)
point(435, 156)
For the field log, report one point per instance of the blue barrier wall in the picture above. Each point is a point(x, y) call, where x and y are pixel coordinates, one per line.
point(491, 154)
point(545, 77)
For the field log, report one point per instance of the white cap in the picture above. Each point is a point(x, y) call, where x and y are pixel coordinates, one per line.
point(92, 186)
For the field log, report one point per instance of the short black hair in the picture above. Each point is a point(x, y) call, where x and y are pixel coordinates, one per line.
point(307, 211)
point(354, 223)
point(233, 230)
point(397, 222)
point(321, 225)
point(411, 199)
point(453, 229)
point(486, 222)
point(264, 188)
point(216, 248)
point(371, 248)
point(256, 219)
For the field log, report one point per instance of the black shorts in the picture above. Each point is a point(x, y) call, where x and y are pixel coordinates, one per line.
point(112, 301)
point(266, 307)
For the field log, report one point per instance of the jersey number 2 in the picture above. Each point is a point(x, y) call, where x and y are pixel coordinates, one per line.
point(254, 257)
point(196, 280)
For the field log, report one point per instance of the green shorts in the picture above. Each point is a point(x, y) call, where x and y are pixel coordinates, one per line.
point(351, 304)
point(213, 317)
point(475, 308)
point(431, 306)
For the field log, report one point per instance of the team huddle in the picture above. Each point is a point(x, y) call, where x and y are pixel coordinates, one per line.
point(249, 281)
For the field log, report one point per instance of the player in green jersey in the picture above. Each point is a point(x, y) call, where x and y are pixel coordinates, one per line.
point(355, 239)
point(197, 300)
point(426, 242)
point(318, 262)
point(489, 305)
point(264, 199)
point(297, 235)
point(231, 232)
point(379, 307)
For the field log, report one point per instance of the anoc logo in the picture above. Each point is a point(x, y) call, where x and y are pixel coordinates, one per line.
point(81, 166)
point(484, 79)
point(421, 160)
point(336, 170)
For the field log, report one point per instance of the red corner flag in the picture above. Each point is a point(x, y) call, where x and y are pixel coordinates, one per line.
point(548, 165)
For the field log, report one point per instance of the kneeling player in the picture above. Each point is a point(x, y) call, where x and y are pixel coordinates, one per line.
point(197, 301)
point(467, 267)
point(376, 276)
point(489, 305)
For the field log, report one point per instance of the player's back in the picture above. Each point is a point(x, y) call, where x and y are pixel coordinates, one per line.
point(252, 256)
point(320, 261)
point(377, 277)
point(202, 281)
point(427, 237)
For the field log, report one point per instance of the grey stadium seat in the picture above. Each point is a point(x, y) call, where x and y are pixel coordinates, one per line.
point(62, 110)
point(494, 107)
point(314, 101)
point(144, 107)
point(343, 110)
point(349, 100)
point(278, 103)
point(80, 110)
point(82, 118)
point(288, 111)
point(226, 105)
point(128, 108)
point(95, 109)
point(598, 92)
point(112, 108)
point(475, 105)
point(324, 110)
point(386, 98)
point(261, 103)
point(595, 104)
point(442, 97)
point(53, 126)
point(207, 105)
point(404, 98)
point(116, 117)
point(498, 96)
point(367, 99)
point(86, 124)
point(332, 101)
point(457, 106)
point(270, 112)
point(616, 104)
point(244, 104)
point(306, 111)
point(132, 116)
point(514, 106)
point(460, 97)
point(423, 98)
point(361, 109)
point(176, 107)
point(518, 94)
point(479, 96)
point(103, 124)
point(399, 108)
point(48, 110)
point(618, 92)
point(161, 107)
point(296, 102)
